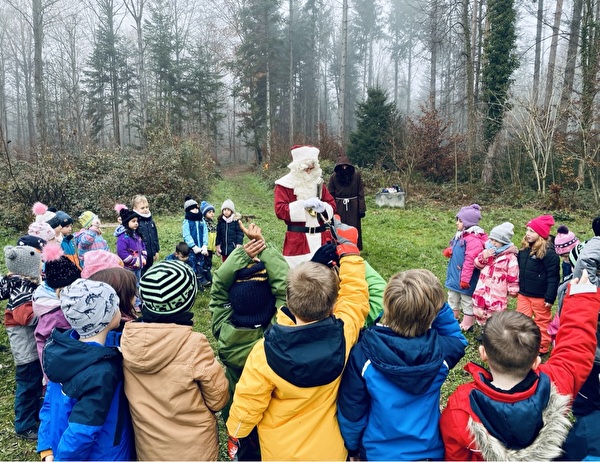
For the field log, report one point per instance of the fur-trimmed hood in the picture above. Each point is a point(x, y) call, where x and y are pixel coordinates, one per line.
point(546, 407)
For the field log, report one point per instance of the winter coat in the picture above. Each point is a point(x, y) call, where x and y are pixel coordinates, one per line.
point(174, 385)
point(461, 267)
point(291, 210)
point(132, 250)
point(85, 414)
point(589, 259)
point(349, 198)
point(147, 229)
point(195, 233)
point(86, 240)
point(539, 278)
point(235, 343)
point(229, 235)
point(70, 249)
point(529, 422)
point(388, 403)
point(291, 378)
point(19, 319)
point(498, 278)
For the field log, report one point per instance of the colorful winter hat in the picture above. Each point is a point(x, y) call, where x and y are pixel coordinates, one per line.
point(23, 260)
point(87, 218)
point(42, 230)
point(542, 225)
point(251, 298)
point(89, 306)
point(469, 215)
point(169, 287)
point(565, 240)
point(58, 269)
point(206, 207)
point(42, 214)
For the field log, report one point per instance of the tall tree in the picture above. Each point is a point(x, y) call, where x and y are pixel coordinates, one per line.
point(499, 65)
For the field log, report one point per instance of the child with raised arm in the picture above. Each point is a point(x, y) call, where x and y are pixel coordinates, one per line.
point(289, 385)
point(518, 408)
point(462, 276)
point(400, 364)
point(89, 237)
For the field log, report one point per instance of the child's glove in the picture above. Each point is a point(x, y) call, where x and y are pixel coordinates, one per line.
point(326, 255)
point(196, 249)
point(347, 237)
point(447, 252)
point(464, 285)
point(204, 250)
point(233, 446)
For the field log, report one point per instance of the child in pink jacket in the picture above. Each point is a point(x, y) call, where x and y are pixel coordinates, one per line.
point(499, 275)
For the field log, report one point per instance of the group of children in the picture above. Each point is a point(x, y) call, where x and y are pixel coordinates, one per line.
point(299, 382)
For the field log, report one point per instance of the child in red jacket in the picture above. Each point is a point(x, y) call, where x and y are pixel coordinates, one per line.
point(518, 408)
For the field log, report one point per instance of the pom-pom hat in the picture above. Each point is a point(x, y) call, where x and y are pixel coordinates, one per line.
point(469, 215)
point(127, 215)
point(169, 287)
point(23, 260)
point(565, 240)
point(542, 225)
point(59, 270)
point(89, 306)
point(32, 241)
point(42, 214)
point(252, 301)
point(503, 233)
point(206, 207)
point(42, 230)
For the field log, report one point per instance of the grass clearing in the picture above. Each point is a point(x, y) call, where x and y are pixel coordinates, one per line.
point(394, 240)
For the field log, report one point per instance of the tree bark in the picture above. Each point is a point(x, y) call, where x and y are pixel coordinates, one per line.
point(38, 65)
point(538, 47)
point(344, 62)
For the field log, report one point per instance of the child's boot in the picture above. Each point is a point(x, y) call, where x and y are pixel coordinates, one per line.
point(467, 322)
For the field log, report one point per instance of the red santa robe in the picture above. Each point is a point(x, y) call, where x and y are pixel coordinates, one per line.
point(299, 247)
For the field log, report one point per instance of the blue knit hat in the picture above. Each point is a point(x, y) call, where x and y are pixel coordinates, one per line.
point(206, 207)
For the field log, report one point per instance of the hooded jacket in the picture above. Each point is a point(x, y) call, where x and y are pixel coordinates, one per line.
point(461, 267)
point(539, 277)
point(291, 378)
point(388, 404)
point(529, 422)
point(85, 415)
point(174, 385)
point(147, 229)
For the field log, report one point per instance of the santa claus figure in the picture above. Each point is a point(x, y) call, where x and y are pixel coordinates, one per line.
point(304, 203)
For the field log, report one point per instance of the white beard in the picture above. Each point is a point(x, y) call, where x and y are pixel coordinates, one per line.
point(305, 184)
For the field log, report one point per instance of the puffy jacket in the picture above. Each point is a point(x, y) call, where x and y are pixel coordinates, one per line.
point(529, 422)
point(147, 229)
point(290, 382)
point(194, 233)
point(461, 267)
point(539, 278)
point(229, 235)
point(388, 403)
point(498, 278)
point(85, 415)
point(132, 250)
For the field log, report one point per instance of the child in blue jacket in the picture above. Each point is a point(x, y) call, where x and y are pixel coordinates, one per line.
point(195, 235)
point(85, 415)
point(388, 402)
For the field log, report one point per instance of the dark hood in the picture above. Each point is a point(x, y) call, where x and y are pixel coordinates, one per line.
point(65, 357)
point(310, 355)
point(342, 160)
point(411, 363)
point(515, 419)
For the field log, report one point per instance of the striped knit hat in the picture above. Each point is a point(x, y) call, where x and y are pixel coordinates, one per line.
point(167, 288)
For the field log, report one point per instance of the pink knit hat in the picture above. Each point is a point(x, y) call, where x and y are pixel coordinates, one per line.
point(542, 225)
point(96, 260)
point(565, 240)
point(469, 215)
point(42, 230)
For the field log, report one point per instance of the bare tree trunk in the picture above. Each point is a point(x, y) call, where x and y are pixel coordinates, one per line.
point(269, 121)
point(569, 74)
point(433, 43)
point(538, 47)
point(552, 57)
point(291, 89)
point(342, 100)
point(487, 173)
point(409, 76)
point(470, 80)
point(38, 78)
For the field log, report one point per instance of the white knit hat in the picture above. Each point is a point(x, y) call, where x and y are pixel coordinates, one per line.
point(228, 204)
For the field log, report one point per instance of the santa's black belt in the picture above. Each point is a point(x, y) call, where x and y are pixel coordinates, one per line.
point(307, 229)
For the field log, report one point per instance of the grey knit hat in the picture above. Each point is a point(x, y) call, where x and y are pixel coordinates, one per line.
point(23, 260)
point(89, 306)
point(228, 204)
point(503, 233)
point(168, 287)
point(189, 204)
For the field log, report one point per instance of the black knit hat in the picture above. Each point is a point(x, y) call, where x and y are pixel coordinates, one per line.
point(58, 269)
point(252, 301)
point(127, 215)
point(169, 287)
point(64, 218)
point(32, 241)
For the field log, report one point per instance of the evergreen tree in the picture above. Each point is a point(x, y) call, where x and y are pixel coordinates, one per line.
point(499, 63)
point(369, 143)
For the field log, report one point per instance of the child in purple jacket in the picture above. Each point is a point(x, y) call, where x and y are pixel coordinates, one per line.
point(130, 245)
